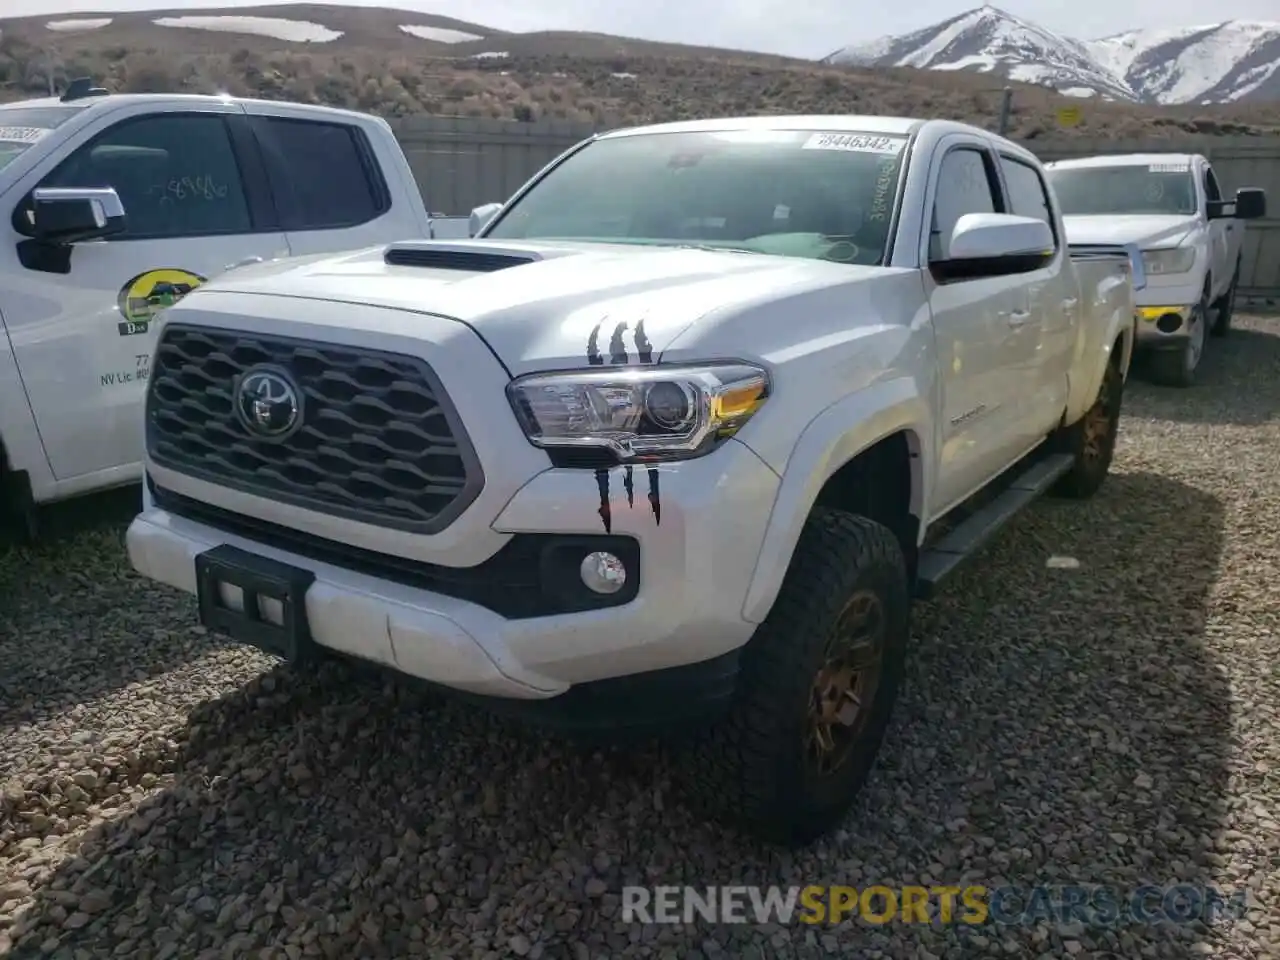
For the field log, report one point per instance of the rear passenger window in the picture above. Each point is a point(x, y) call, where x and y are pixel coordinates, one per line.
point(322, 175)
point(964, 186)
point(1027, 194)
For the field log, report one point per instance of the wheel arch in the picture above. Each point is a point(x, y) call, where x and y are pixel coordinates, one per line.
point(882, 464)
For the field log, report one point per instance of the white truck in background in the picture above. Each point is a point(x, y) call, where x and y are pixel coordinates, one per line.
point(116, 206)
point(674, 440)
point(1171, 206)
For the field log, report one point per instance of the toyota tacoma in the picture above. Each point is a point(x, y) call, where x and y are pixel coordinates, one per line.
point(676, 438)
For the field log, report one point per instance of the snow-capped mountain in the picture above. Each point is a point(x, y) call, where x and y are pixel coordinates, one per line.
point(1231, 61)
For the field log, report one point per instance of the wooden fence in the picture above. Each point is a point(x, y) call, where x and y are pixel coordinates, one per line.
point(461, 162)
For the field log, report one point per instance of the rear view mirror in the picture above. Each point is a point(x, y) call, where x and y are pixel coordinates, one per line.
point(1250, 203)
point(66, 215)
point(993, 244)
point(987, 236)
point(481, 216)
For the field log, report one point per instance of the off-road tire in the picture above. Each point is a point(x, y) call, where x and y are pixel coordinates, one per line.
point(1225, 308)
point(1178, 367)
point(750, 769)
point(1092, 462)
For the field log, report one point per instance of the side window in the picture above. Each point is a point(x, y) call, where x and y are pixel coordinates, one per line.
point(1211, 189)
point(1027, 194)
point(965, 185)
point(176, 175)
point(323, 175)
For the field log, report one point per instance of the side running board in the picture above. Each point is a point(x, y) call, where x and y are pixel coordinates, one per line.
point(943, 558)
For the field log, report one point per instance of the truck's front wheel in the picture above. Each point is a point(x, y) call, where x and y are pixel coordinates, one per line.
point(1177, 367)
point(818, 682)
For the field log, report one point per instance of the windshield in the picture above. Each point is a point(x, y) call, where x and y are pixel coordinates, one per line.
point(1156, 188)
point(806, 193)
point(20, 127)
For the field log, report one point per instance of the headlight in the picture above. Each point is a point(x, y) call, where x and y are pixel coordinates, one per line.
point(640, 413)
point(1171, 260)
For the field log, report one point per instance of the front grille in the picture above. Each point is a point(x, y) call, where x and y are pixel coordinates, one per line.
point(378, 439)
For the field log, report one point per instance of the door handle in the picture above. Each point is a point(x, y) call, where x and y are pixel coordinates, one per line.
point(1069, 304)
point(242, 263)
point(1018, 317)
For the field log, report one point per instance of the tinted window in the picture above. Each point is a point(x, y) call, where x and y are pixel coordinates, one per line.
point(1211, 189)
point(176, 175)
point(1156, 188)
point(964, 186)
point(321, 174)
point(797, 193)
point(1026, 191)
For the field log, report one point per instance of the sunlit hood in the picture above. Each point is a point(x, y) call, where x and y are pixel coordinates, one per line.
point(1145, 230)
point(575, 303)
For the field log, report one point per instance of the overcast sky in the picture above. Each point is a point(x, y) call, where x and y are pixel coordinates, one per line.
point(810, 28)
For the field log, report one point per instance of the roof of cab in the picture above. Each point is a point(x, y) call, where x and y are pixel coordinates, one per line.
point(893, 126)
point(1125, 160)
point(851, 123)
point(114, 100)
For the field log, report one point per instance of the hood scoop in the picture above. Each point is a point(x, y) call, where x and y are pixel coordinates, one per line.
point(472, 258)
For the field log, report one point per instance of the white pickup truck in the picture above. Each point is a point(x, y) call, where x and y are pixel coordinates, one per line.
point(677, 438)
point(115, 206)
point(1172, 207)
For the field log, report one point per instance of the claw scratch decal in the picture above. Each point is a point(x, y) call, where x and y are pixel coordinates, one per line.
point(619, 356)
point(605, 511)
point(593, 346)
point(655, 499)
point(643, 346)
point(618, 349)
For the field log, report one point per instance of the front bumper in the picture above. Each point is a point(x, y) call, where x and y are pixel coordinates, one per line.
point(1164, 309)
point(697, 555)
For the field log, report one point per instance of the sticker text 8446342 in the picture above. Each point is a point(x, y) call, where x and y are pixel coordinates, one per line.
point(855, 143)
point(21, 134)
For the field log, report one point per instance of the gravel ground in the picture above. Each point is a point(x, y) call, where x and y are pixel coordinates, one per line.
point(168, 795)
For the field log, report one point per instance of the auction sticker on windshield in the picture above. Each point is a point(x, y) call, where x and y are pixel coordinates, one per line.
point(21, 134)
point(855, 143)
point(1174, 167)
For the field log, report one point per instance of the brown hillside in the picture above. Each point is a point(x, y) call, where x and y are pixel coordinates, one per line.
point(593, 78)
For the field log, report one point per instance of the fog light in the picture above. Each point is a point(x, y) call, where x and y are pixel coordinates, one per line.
point(603, 572)
point(1169, 323)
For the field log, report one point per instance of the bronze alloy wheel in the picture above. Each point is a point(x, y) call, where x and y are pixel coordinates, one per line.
point(844, 688)
point(1097, 423)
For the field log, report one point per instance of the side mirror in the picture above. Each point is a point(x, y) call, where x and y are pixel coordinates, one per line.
point(992, 244)
point(481, 216)
point(66, 215)
point(1250, 204)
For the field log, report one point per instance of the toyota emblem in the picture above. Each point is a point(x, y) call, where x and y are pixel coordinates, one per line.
point(268, 404)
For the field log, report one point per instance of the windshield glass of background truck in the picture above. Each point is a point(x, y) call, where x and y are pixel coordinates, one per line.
point(802, 193)
point(22, 127)
point(1132, 189)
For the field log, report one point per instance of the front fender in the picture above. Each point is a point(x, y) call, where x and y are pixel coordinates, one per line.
point(829, 441)
point(21, 448)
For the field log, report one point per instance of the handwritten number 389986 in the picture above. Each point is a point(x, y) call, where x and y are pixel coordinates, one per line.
point(199, 187)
